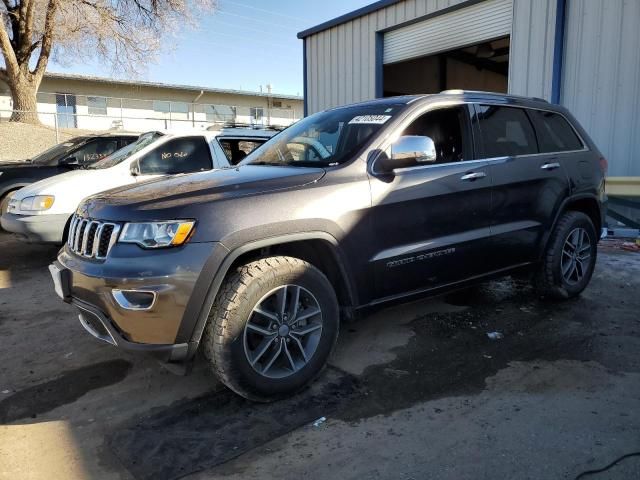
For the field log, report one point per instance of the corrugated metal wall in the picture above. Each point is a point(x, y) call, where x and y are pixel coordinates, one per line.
point(601, 77)
point(531, 49)
point(341, 61)
point(601, 67)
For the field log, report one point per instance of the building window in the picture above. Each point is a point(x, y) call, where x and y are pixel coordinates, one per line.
point(256, 114)
point(179, 107)
point(97, 105)
point(161, 106)
point(220, 113)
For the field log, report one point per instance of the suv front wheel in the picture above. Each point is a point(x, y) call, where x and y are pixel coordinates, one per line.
point(272, 327)
point(570, 257)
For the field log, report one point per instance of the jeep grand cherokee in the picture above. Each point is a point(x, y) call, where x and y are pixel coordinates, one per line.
point(349, 208)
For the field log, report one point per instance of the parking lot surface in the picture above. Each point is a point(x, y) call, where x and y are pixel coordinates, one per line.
point(413, 391)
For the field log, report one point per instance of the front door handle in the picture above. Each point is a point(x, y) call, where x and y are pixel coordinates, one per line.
point(550, 166)
point(469, 177)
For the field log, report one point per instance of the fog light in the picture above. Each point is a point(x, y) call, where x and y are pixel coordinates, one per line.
point(134, 299)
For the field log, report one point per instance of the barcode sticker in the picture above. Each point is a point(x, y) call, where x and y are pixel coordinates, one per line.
point(370, 119)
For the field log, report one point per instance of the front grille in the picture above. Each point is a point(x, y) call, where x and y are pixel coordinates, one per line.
point(92, 238)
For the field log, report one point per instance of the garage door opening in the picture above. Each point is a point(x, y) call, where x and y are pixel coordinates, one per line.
point(483, 66)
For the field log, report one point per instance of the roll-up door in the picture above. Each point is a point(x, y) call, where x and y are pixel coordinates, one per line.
point(480, 22)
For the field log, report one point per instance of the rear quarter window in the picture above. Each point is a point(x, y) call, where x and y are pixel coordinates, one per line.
point(236, 149)
point(555, 134)
point(506, 131)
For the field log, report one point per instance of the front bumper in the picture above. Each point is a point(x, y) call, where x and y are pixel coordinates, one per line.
point(100, 326)
point(36, 228)
point(174, 275)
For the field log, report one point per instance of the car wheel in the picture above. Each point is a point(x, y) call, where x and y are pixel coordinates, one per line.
point(570, 258)
point(272, 328)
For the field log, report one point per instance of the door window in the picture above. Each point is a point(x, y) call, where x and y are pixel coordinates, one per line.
point(445, 126)
point(506, 131)
point(554, 132)
point(256, 114)
point(66, 110)
point(181, 155)
point(96, 150)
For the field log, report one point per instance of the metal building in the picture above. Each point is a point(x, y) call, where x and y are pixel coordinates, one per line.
point(584, 54)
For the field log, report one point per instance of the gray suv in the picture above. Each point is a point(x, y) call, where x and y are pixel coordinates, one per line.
point(347, 209)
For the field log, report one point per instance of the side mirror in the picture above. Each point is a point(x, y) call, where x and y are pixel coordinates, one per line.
point(135, 168)
point(413, 149)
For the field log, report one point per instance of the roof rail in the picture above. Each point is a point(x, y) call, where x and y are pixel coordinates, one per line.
point(495, 94)
point(252, 126)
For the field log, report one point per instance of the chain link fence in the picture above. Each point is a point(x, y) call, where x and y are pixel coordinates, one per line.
point(64, 112)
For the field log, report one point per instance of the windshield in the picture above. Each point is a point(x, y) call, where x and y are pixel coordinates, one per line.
point(50, 156)
point(326, 138)
point(121, 155)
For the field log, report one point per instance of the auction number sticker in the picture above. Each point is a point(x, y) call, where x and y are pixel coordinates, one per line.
point(370, 119)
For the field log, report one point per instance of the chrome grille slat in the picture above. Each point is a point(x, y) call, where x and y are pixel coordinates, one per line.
point(87, 236)
point(78, 239)
point(92, 238)
point(73, 230)
point(96, 240)
point(71, 226)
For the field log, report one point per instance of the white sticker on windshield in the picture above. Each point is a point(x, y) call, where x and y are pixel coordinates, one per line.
point(370, 119)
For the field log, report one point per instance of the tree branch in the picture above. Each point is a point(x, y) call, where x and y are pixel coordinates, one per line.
point(7, 50)
point(28, 31)
point(47, 40)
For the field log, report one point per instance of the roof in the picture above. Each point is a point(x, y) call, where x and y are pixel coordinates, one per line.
point(225, 132)
point(367, 9)
point(466, 95)
point(141, 83)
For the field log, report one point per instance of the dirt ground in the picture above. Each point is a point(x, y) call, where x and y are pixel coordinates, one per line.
point(413, 392)
point(19, 141)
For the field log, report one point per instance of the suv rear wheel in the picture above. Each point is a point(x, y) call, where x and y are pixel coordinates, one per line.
point(272, 327)
point(570, 257)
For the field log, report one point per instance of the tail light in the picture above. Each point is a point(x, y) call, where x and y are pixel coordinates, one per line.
point(604, 165)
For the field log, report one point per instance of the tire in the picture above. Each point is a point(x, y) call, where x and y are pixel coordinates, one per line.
point(560, 277)
point(263, 367)
point(4, 203)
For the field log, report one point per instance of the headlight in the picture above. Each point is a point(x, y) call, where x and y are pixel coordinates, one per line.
point(37, 203)
point(157, 234)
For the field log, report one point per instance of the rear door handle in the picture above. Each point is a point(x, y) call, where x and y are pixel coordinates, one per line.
point(469, 177)
point(550, 166)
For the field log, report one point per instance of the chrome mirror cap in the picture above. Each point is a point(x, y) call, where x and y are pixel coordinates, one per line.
point(418, 148)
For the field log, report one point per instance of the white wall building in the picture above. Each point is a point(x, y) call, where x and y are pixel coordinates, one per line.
point(93, 103)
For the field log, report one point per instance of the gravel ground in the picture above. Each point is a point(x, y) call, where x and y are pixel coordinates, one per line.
point(19, 141)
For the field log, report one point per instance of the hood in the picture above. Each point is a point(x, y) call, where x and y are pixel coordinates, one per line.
point(175, 196)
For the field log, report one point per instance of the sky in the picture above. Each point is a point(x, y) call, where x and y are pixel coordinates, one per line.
point(241, 45)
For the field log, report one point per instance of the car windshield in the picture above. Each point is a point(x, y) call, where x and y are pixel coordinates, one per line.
point(326, 138)
point(50, 156)
point(121, 155)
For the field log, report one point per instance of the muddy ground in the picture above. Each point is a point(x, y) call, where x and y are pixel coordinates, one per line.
point(415, 391)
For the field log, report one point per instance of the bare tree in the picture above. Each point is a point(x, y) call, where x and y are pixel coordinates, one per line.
point(126, 34)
